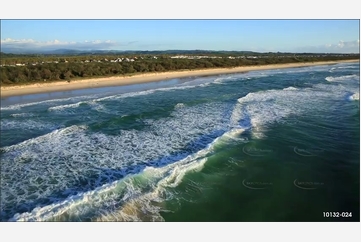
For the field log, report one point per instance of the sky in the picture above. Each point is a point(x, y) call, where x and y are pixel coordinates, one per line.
point(318, 36)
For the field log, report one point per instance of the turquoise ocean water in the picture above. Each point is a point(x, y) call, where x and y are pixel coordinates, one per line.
point(275, 145)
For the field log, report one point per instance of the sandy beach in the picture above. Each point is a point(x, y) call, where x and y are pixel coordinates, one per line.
point(142, 78)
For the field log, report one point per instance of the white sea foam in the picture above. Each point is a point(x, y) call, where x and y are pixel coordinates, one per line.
point(132, 201)
point(200, 81)
point(337, 90)
point(63, 158)
point(22, 115)
point(332, 69)
point(218, 80)
point(290, 89)
point(55, 135)
point(179, 105)
point(205, 84)
point(347, 67)
point(266, 73)
point(100, 107)
point(49, 102)
point(61, 107)
point(342, 78)
point(96, 102)
point(162, 154)
point(8, 124)
point(257, 110)
point(241, 77)
point(355, 96)
point(222, 80)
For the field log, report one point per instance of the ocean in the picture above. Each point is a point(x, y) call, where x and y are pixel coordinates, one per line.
point(262, 146)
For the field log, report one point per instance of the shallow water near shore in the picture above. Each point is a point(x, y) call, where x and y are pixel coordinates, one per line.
point(88, 91)
point(271, 145)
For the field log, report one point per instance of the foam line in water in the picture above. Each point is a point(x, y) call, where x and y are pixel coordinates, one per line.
point(145, 207)
point(137, 202)
point(121, 96)
point(61, 107)
point(73, 160)
point(266, 73)
point(46, 102)
point(290, 89)
point(7, 124)
point(45, 138)
point(347, 67)
point(22, 115)
point(198, 82)
point(257, 110)
point(342, 78)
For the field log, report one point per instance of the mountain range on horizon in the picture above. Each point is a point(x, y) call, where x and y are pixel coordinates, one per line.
point(21, 51)
point(9, 50)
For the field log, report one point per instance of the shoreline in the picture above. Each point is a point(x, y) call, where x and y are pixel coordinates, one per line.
point(145, 78)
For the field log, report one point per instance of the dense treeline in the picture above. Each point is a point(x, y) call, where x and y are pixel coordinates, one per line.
point(74, 69)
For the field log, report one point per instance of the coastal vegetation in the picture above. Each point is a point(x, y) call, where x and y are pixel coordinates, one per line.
point(33, 68)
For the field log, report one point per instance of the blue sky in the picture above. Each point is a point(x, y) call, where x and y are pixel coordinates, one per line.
point(341, 36)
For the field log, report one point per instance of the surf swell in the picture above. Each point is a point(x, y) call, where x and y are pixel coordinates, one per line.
point(72, 159)
point(134, 198)
point(80, 173)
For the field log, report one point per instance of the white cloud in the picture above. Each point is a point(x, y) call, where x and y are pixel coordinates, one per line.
point(340, 47)
point(30, 44)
